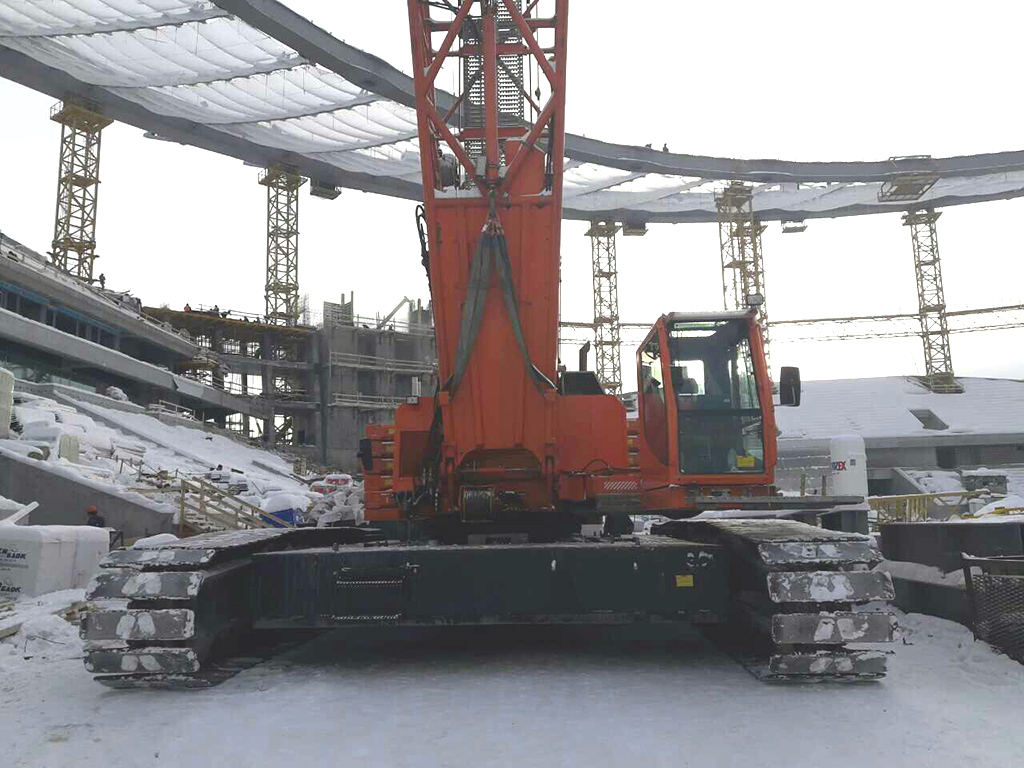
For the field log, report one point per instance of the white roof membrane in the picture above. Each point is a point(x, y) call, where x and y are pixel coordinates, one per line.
point(238, 77)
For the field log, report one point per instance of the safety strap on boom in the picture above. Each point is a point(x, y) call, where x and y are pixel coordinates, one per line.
point(492, 246)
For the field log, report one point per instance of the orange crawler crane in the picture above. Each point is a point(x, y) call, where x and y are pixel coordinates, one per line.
point(508, 496)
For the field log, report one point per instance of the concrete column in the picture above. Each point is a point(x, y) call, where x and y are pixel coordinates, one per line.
point(321, 359)
point(269, 437)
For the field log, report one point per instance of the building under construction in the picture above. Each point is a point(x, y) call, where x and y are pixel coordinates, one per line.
point(308, 388)
point(324, 381)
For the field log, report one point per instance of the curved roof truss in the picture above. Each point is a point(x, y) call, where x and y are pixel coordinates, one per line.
point(254, 80)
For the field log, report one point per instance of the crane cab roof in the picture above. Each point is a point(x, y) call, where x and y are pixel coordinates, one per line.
point(692, 317)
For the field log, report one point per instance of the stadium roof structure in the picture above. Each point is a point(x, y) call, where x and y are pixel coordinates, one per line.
point(253, 80)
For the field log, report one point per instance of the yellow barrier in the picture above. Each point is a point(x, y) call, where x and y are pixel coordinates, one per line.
point(913, 508)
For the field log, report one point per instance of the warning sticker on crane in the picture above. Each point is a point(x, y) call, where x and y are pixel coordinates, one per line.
point(684, 580)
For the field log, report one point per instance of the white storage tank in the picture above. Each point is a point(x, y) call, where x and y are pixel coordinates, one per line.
point(849, 475)
point(36, 559)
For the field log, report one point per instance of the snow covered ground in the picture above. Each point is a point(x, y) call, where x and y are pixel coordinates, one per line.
point(540, 696)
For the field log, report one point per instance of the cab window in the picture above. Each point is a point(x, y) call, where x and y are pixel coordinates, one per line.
point(714, 383)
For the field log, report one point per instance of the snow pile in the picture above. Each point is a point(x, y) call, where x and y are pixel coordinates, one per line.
point(288, 506)
point(344, 505)
point(937, 481)
point(46, 637)
point(155, 541)
point(116, 393)
point(918, 572)
point(42, 633)
point(982, 472)
point(1001, 511)
point(8, 507)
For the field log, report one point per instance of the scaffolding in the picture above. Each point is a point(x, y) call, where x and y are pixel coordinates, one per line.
point(282, 291)
point(74, 228)
point(607, 344)
point(739, 237)
point(931, 301)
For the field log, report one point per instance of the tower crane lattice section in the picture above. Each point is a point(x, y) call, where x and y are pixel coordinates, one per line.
point(739, 237)
point(607, 341)
point(78, 180)
point(282, 289)
point(931, 299)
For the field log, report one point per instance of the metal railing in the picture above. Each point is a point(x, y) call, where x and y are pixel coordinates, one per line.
point(345, 320)
point(202, 506)
point(807, 474)
point(162, 406)
point(915, 508)
point(368, 402)
point(349, 360)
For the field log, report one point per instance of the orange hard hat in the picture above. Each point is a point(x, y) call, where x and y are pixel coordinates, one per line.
point(92, 508)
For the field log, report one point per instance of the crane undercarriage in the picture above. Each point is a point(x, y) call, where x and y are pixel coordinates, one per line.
point(805, 591)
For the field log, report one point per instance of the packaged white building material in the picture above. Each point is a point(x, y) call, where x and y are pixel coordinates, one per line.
point(69, 448)
point(116, 393)
point(36, 559)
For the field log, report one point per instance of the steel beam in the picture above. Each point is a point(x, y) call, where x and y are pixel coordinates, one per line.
point(376, 75)
point(379, 77)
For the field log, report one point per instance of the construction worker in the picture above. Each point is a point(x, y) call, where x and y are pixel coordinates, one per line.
point(103, 281)
point(95, 519)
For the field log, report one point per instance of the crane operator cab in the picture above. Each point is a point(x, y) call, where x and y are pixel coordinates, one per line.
point(706, 396)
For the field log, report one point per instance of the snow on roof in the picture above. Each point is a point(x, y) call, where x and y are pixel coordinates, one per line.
point(936, 480)
point(884, 406)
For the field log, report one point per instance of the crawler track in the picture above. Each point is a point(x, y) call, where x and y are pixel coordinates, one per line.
point(805, 591)
point(187, 617)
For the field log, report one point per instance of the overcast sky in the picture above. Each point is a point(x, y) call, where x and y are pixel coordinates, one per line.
point(798, 81)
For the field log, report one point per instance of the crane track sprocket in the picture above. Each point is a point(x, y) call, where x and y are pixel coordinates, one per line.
point(806, 591)
point(170, 615)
